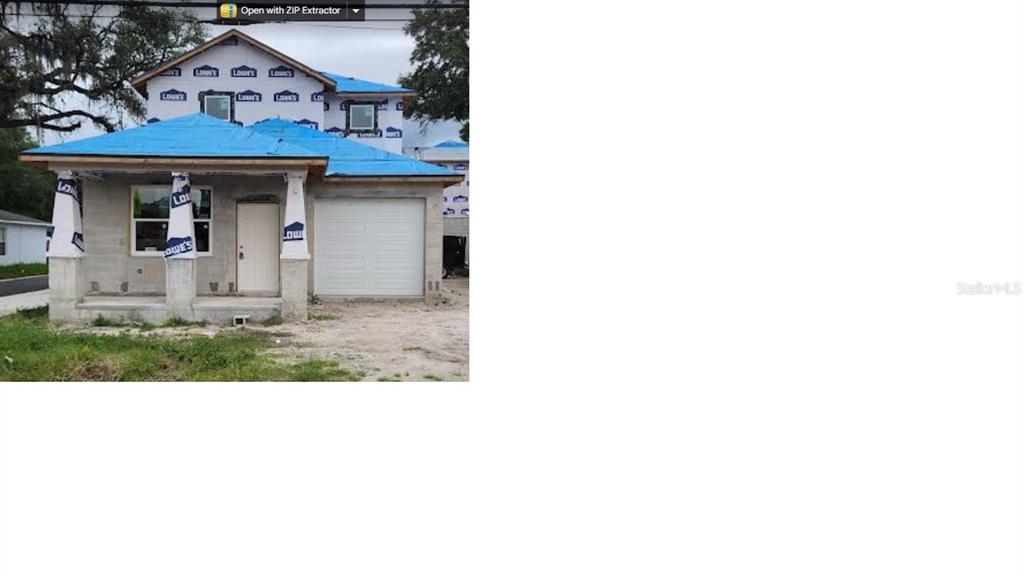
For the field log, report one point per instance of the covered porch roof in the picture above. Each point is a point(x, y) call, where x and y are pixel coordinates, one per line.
point(204, 142)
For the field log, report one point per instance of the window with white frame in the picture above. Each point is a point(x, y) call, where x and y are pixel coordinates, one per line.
point(3, 241)
point(218, 104)
point(362, 117)
point(151, 207)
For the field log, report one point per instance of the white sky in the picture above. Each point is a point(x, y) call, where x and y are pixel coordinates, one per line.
point(375, 51)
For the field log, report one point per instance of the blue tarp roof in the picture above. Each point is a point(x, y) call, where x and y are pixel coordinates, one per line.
point(347, 158)
point(195, 135)
point(452, 144)
point(349, 84)
point(199, 135)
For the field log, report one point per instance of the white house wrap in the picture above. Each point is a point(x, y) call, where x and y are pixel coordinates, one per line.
point(67, 240)
point(180, 242)
point(294, 246)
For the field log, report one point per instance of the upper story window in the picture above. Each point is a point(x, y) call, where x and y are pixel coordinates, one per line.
point(362, 117)
point(218, 104)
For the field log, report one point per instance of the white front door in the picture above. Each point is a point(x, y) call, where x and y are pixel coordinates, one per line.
point(369, 247)
point(259, 248)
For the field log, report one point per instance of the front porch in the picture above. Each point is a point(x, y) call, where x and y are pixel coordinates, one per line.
point(242, 268)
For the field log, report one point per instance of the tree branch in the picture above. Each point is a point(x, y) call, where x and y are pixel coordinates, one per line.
point(44, 121)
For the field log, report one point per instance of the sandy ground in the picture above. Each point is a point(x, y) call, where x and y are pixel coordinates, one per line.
point(11, 304)
point(400, 339)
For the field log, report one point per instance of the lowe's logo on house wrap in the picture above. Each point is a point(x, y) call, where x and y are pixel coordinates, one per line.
point(181, 197)
point(171, 72)
point(382, 105)
point(449, 211)
point(206, 71)
point(248, 96)
point(399, 105)
point(369, 134)
point(335, 130)
point(175, 95)
point(78, 240)
point(316, 97)
point(243, 71)
point(461, 198)
point(177, 246)
point(286, 96)
point(68, 186)
point(294, 231)
point(460, 167)
point(393, 132)
point(281, 72)
point(308, 122)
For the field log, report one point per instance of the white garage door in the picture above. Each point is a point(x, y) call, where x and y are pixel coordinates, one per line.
point(369, 247)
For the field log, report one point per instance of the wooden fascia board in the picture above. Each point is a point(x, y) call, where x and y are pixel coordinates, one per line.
point(100, 162)
point(446, 180)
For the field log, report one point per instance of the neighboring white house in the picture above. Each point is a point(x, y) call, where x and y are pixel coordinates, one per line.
point(22, 239)
point(454, 155)
point(237, 78)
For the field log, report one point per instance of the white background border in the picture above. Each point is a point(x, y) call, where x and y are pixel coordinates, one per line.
point(730, 343)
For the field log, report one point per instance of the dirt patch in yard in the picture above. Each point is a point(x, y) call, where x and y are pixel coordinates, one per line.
point(386, 339)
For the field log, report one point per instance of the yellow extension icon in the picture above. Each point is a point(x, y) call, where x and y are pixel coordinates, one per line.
point(228, 11)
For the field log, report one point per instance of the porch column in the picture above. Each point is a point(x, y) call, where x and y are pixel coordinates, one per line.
point(179, 251)
point(294, 251)
point(67, 248)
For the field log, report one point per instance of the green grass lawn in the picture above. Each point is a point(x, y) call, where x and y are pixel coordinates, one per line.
point(31, 350)
point(22, 270)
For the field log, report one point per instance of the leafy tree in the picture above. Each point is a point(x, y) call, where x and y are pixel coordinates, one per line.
point(24, 189)
point(55, 53)
point(441, 64)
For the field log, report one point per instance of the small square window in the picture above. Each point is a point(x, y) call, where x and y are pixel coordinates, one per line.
point(218, 106)
point(361, 117)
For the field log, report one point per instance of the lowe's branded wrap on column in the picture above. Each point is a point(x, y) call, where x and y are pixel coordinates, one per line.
point(294, 246)
point(180, 241)
point(67, 240)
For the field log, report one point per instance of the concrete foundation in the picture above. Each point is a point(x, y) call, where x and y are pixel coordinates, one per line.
point(66, 288)
point(181, 288)
point(294, 290)
point(153, 309)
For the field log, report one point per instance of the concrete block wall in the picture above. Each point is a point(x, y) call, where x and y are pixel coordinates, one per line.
point(109, 267)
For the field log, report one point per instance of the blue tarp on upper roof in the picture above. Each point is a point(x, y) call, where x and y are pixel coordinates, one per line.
point(347, 158)
point(452, 144)
point(349, 84)
point(195, 135)
point(199, 135)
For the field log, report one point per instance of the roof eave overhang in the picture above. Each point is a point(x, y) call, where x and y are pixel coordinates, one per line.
point(350, 94)
point(139, 82)
point(101, 162)
point(446, 180)
point(20, 223)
